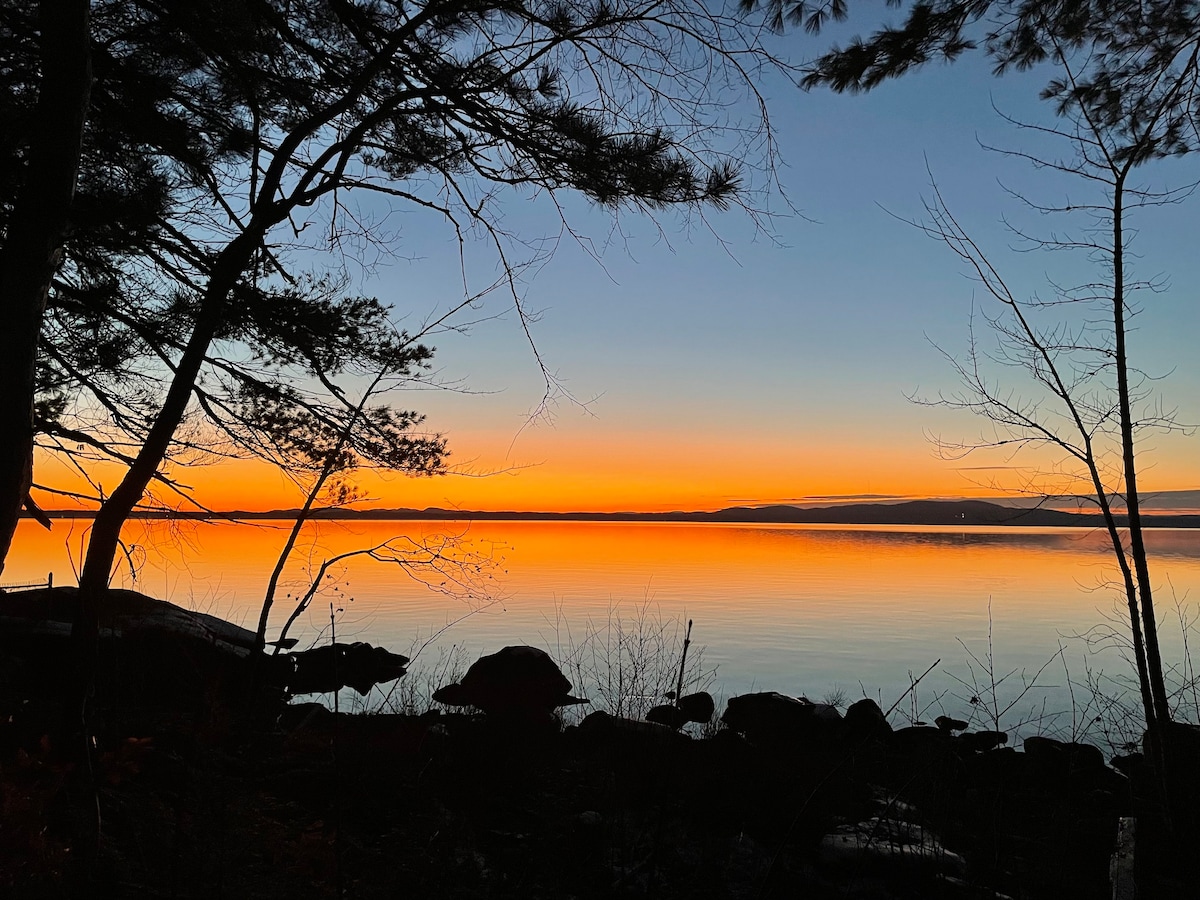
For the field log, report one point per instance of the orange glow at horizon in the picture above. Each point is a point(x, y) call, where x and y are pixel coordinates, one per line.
point(662, 472)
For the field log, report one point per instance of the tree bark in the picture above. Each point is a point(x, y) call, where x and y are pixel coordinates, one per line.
point(1137, 547)
point(1149, 708)
point(36, 230)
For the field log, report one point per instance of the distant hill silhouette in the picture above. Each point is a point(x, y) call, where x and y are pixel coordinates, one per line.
point(914, 512)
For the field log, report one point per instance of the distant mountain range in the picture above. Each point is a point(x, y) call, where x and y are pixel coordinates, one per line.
point(914, 512)
point(1173, 502)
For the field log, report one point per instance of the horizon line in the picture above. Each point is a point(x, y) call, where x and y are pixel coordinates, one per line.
point(1021, 508)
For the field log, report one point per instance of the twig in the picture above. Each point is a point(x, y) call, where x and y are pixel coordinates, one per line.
point(687, 639)
point(910, 688)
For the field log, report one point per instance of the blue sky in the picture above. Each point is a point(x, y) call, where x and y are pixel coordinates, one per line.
point(709, 354)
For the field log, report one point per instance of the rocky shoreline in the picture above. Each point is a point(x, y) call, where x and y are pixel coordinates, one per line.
point(212, 786)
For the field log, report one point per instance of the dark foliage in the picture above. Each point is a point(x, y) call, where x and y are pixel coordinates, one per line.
point(1135, 63)
point(221, 121)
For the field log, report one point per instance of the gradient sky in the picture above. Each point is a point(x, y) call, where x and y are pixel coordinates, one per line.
point(718, 366)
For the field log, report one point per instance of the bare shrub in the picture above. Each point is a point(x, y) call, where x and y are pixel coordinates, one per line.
point(413, 694)
point(629, 661)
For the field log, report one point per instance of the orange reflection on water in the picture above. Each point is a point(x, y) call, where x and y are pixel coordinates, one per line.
point(761, 559)
point(781, 607)
point(690, 555)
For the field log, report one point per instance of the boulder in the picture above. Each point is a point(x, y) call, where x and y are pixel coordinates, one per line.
point(1081, 767)
point(865, 721)
point(923, 752)
point(946, 723)
point(698, 707)
point(1181, 741)
point(148, 650)
point(981, 741)
point(771, 718)
point(998, 771)
point(521, 683)
point(920, 740)
point(334, 666)
point(1063, 756)
point(671, 716)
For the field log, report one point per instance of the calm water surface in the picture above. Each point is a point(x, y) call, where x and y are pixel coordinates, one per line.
point(799, 609)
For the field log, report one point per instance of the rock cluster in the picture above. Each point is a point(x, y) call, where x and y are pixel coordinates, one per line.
point(783, 797)
point(944, 806)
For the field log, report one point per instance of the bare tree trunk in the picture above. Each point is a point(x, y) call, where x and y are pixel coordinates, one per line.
point(1131, 601)
point(33, 244)
point(1137, 547)
point(327, 469)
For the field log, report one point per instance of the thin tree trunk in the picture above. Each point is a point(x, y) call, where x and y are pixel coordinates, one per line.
point(36, 230)
point(260, 634)
point(1137, 547)
point(1131, 599)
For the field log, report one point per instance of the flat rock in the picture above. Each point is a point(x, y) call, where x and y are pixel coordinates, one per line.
point(50, 611)
point(599, 726)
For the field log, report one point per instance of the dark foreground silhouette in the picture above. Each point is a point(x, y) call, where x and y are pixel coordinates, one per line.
point(211, 785)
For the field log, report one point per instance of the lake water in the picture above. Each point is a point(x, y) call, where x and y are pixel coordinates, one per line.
point(800, 609)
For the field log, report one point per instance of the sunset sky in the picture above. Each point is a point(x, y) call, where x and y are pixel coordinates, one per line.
point(716, 365)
